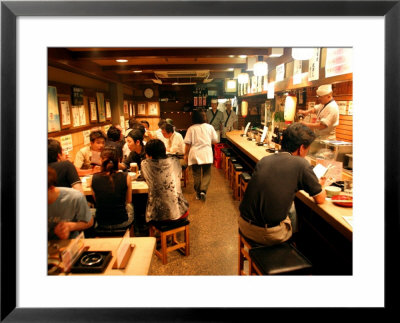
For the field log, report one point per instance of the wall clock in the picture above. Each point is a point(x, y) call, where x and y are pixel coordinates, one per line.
point(148, 93)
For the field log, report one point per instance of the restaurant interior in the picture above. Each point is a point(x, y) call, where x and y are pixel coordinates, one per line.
point(96, 88)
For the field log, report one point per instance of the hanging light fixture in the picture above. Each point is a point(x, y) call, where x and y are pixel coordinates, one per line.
point(302, 54)
point(261, 67)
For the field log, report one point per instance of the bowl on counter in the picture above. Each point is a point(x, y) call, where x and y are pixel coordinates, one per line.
point(332, 190)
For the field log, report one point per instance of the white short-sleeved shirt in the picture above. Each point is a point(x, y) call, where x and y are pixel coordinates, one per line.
point(328, 115)
point(200, 137)
point(175, 144)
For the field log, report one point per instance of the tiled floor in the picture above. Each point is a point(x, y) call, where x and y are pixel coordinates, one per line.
point(213, 233)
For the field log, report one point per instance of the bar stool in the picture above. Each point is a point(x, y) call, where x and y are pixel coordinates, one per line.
point(280, 259)
point(245, 245)
point(237, 170)
point(244, 181)
point(231, 160)
point(225, 153)
point(164, 231)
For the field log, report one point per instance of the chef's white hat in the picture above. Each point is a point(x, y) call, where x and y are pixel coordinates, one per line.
point(324, 89)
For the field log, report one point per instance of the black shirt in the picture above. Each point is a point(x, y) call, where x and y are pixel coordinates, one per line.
point(66, 173)
point(273, 185)
point(110, 197)
point(134, 157)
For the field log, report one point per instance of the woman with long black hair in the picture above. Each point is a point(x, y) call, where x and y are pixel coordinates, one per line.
point(112, 191)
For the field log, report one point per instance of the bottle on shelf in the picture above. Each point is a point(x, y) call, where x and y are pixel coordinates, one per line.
point(195, 98)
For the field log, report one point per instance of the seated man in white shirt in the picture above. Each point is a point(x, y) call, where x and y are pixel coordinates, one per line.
point(173, 140)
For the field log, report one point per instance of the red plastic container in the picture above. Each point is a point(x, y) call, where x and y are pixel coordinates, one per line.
point(217, 149)
point(217, 162)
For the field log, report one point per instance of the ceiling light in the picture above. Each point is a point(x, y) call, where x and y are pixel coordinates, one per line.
point(302, 54)
point(260, 68)
point(121, 60)
point(157, 81)
point(242, 56)
point(230, 69)
point(138, 71)
point(276, 52)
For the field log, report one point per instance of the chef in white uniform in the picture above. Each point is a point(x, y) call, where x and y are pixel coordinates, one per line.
point(327, 114)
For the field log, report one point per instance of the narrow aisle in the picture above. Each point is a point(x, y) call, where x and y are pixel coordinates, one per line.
point(213, 233)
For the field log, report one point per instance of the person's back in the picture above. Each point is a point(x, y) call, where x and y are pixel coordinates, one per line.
point(266, 215)
point(275, 181)
point(67, 176)
point(200, 136)
point(68, 212)
point(163, 176)
point(110, 193)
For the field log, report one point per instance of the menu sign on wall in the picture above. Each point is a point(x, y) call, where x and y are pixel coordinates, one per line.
point(280, 72)
point(338, 61)
point(66, 143)
point(313, 65)
point(298, 65)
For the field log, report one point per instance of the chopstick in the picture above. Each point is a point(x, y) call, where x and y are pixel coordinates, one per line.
point(342, 201)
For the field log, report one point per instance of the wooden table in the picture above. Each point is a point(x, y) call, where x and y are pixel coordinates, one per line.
point(139, 261)
point(331, 213)
point(137, 187)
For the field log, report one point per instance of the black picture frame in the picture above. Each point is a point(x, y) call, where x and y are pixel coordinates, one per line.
point(10, 10)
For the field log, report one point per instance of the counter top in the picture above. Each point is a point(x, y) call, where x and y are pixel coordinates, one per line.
point(137, 187)
point(138, 263)
point(334, 215)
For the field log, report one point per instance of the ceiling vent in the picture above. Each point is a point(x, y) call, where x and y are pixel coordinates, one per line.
point(182, 74)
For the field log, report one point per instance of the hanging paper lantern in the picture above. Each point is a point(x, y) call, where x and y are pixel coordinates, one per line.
point(245, 107)
point(290, 108)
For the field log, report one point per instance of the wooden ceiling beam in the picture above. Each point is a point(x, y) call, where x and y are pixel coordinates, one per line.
point(170, 52)
point(169, 67)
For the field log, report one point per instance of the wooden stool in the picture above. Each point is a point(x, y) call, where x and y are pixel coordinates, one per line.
point(280, 259)
point(185, 176)
point(245, 245)
point(237, 170)
point(170, 230)
point(225, 154)
point(231, 160)
point(244, 181)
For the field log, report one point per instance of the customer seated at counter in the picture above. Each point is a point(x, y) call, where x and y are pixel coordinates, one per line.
point(163, 176)
point(271, 191)
point(112, 191)
point(68, 212)
point(114, 140)
point(173, 140)
point(137, 153)
point(67, 176)
point(133, 124)
point(87, 160)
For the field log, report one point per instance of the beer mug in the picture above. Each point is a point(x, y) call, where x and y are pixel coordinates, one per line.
point(133, 167)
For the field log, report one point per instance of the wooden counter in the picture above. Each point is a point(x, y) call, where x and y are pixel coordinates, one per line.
point(138, 263)
point(138, 187)
point(332, 214)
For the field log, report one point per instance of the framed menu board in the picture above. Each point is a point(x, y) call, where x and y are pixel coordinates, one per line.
point(153, 108)
point(101, 109)
point(53, 115)
point(92, 110)
point(108, 110)
point(65, 112)
point(141, 109)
